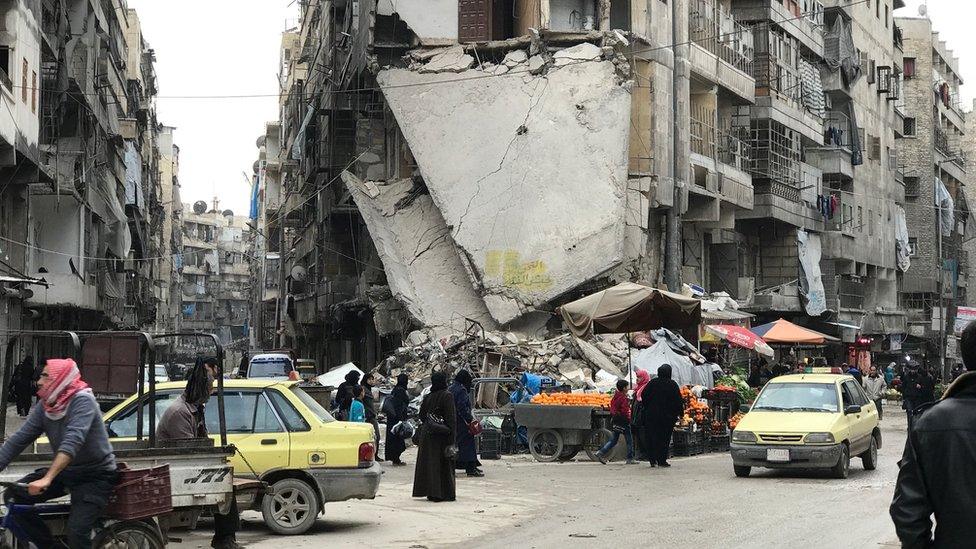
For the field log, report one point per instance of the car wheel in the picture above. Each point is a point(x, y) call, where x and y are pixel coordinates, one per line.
point(292, 508)
point(870, 457)
point(843, 466)
point(742, 471)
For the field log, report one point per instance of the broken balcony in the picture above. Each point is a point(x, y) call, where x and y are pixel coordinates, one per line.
point(835, 155)
point(803, 24)
point(719, 158)
point(721, 50)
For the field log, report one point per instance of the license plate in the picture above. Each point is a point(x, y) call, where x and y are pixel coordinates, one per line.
point(774, 454)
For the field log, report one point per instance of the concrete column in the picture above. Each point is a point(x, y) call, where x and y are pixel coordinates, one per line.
point(681, 88)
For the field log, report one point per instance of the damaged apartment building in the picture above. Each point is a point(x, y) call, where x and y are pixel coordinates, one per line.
point(451, 161)
point(81, 209)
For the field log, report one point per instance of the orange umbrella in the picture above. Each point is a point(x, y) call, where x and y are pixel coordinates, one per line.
point(785, 332)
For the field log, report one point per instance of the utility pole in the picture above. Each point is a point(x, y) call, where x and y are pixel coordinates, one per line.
point(672, 246)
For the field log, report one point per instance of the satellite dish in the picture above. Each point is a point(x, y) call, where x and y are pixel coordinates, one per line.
point(923, 10)
point(228, 213)
point(199, 207)
point(298, 273)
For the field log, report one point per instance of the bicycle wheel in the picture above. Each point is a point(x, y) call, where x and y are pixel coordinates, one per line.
point(130, 535)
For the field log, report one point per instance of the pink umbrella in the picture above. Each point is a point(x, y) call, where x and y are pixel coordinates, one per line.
point(741, 337)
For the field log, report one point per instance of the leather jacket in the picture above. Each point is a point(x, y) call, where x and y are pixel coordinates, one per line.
point(936, 473)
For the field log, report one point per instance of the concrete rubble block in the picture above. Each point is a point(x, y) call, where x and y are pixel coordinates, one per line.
point(592, 355)
point(577, 54)
point(498, 70)
point(452, 59)
point(421, 262)
point(515, 58)
point(417, 337)
point(536, 64)
point(530, 175)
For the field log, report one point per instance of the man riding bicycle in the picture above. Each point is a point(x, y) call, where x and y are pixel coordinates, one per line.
point(83, 466)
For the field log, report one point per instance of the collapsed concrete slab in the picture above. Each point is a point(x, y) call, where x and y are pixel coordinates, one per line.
point(529, 172)
point(422, 266)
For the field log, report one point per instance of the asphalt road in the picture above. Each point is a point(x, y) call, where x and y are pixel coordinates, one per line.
point(696, 503)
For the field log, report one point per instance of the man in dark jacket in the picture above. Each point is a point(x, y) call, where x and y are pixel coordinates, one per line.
point(936, 475)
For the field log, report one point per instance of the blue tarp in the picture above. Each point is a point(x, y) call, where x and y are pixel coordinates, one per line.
point(255, 192)
point(532, 385)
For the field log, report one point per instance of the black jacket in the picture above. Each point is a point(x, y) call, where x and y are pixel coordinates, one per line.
point(936, 473)
point(662, 402)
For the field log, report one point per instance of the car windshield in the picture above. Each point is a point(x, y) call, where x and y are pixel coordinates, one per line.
point(313, 405)
point(798, 397)
point(161, 372)
point(269, 368)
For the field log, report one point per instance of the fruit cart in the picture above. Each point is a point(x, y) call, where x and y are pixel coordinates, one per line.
point(558, 433)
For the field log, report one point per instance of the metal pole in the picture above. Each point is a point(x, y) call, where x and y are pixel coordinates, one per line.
point(672, 255)
point(942, 311)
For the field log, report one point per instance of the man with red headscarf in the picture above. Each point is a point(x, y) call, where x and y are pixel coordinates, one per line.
point(84, 464)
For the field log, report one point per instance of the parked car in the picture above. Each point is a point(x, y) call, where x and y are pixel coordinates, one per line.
point(808, 421)
point(285, 438)
point(270, 365)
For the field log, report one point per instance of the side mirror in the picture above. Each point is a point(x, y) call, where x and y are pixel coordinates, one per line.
point(852, 409)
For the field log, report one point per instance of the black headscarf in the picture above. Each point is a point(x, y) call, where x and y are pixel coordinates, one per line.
point(664, 372)
point(465, 378)
point(197, 389)
point(438, 381)
point(402, 381)
point(352, 377)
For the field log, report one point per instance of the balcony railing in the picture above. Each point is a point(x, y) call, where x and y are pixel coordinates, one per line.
point(777, 188)
point(713, 28)
point(734, 148)
point(702, 131)
point(837, 130)
point(942, 141)
point(842, 219)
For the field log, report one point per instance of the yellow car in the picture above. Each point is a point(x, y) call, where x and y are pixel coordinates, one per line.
point(283, 437)
point(808, 421)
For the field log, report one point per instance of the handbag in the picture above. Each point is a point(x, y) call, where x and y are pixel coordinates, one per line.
point(450, 451)
point(474, 427)
point(436, 426)
point(619, 424)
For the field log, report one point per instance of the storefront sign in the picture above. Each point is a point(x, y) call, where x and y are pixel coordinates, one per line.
point(964, 315)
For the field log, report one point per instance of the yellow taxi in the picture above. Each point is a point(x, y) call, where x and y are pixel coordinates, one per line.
point(808, 421)
point(283, 437)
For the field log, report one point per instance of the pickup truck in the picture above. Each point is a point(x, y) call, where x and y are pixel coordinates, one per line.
point(284, 438)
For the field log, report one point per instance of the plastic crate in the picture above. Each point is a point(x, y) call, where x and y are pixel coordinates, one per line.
point(719, 443)
point(490, 444)
point(141, 493)
point(688, 443)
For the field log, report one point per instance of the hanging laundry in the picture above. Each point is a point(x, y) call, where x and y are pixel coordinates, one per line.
point(834, 204)
point(811, 89)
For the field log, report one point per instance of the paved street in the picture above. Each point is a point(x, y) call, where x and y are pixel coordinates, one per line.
point(697, 503)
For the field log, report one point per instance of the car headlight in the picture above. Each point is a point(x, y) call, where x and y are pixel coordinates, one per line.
point(743, 436)
point(818, 438)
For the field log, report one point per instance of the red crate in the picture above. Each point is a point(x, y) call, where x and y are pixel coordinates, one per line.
point(141, 493)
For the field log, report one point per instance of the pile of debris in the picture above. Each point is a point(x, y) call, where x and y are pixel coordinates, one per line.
point(596, 363)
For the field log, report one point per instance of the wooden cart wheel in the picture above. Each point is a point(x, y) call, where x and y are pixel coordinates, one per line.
point(546, 445)
point(569, 452)
point(595, 439)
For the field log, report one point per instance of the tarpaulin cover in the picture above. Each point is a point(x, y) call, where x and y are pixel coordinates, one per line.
point(683, 370)
point(811, 283)
point(740, 337)
point(902, 244)
point(785, 332)
point(630, 307)
point(943, 200)
point(133, 176)
point(335, 376)
point(532, 385)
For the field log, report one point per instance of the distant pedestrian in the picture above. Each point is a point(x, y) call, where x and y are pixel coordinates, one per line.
point(662, 407)
point(875, 387)
point(344, 394)
point(619, 424)
point(369, 404)
point(23, 385)
point(853, 371)
point(357, 412)
point(936, 474)
point(467, 457)
point(637, 415)
point(434, 475)
point(889, 374)
point(399, 404)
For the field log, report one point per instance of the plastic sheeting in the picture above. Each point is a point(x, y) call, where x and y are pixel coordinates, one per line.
point(683, 370)
point(840, 53)
point(811, 283)
point(133, 176)
point(857, 150)
point(298, 149)
point(947, 207)
point(902, 245)
point(812, 89)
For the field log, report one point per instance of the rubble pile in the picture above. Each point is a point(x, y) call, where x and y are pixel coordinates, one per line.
point(597, 362)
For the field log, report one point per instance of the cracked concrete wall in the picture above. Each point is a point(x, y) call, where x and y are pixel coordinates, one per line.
point(529, 172)
point(433, 21)
point(422, 265)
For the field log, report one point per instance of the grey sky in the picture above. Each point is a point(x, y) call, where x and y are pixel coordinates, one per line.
point(954, 21)
point(216, 47)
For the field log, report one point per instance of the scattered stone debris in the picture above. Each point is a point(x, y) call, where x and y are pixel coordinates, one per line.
point(449, 60)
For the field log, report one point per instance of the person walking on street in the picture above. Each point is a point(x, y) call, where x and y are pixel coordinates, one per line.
point(619, 423)
point(23, 385)
point(369, 404)
point(662, 407)
point(467, 457)
point(889, 374)
point(357, 411)
point(186, 419)
point(399, 403)
point(875, 387)
point(936, 474)
point(434, 475)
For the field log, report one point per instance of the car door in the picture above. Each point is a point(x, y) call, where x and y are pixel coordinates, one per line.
point(869, 419)
point(254, 428)
point(857, 422)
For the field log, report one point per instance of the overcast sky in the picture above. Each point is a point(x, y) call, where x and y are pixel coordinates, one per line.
point(955, 20)
point(216, 47)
